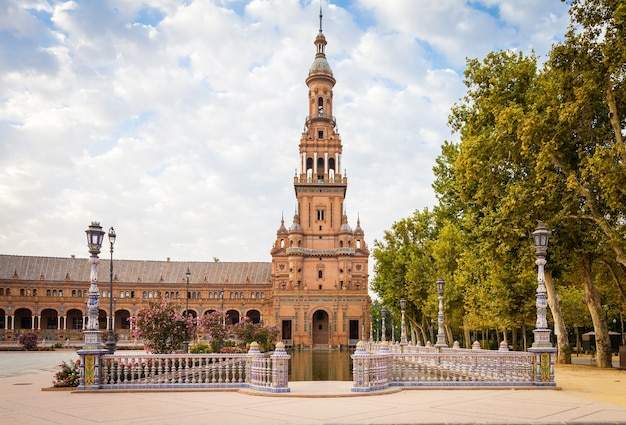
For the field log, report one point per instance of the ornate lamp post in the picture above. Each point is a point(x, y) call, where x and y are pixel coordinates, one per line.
point(93, 348)
point(542, 346)
point(441, 333)
point(93, 336)
point(188, 273)
point(403, 340)
point(542, 333)
point(371, 328)
point(111, 338)
point(383, 313)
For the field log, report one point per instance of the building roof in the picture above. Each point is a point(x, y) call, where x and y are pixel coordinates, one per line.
point(78, 269)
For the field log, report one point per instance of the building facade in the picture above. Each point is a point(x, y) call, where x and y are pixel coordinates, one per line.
point(315, 290)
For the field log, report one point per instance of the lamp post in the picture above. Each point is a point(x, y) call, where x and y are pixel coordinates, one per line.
point(403, 340)
point(93, 336)
point(383, 313)
point(542, 346)
point(441, 333)
point(188, 273)
point(371, 328)
point(541, 333)
point(111, 338)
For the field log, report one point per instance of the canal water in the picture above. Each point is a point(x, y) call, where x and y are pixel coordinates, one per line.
point(320, 365)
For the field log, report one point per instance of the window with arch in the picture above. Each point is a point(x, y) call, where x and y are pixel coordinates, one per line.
point(60, 292)
point(22, 292)
point(358, 244)
point(48, 292)
point(331, 164)
point(320, 274)
point(320, 105)
point(252, 295)
point(282, 243)
point(340, 244)
point(73, 293)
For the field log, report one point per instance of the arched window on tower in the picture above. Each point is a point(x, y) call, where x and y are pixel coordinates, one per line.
point(320, 106)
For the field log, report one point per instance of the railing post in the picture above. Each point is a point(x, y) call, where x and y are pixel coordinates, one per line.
point(90, 369)
point(280, 369)
point(360, 368)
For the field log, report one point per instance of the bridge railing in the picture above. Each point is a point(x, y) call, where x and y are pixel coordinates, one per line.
point(99, 371)
point(434, 366)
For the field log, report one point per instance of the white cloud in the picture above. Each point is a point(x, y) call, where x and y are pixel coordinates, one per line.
point(179, 123)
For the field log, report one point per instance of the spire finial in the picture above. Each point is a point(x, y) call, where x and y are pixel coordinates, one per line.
point(320, 15)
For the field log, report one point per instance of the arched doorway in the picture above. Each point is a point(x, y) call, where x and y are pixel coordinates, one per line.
point(254, 316)
point(23, 319)
point(232, 317)
point(321, 329)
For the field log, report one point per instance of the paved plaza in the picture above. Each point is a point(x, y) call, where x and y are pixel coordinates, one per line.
point(23, 375)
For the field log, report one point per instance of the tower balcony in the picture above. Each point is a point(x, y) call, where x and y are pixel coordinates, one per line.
point(322, 117)
point(307, 252)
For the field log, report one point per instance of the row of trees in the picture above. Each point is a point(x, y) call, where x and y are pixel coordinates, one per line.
point(537, 142)
point(164, 329)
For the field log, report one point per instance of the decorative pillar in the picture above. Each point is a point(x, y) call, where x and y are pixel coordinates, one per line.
point(93, 348)
point(280, 369)
point(441, 333)
point(403, 339)
point(542, 346)
point(383, 313)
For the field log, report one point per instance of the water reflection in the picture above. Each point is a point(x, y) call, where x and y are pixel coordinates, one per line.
point(319, 365)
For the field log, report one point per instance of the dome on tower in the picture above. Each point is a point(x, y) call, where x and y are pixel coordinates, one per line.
point(320, 65)
point(357, 229)
point(282, 229)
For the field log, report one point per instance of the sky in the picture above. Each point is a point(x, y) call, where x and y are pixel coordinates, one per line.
point(178, 122)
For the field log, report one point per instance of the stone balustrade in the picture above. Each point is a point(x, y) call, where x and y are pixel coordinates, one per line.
point(394, 365)
point(185, 371)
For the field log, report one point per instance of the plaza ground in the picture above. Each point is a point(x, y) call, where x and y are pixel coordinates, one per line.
point(587, 395)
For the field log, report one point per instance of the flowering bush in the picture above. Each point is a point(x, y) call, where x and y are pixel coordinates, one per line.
point(213, 324)
point(28, 341)
point(68, 375)
point(161, 327)
point(248, 332)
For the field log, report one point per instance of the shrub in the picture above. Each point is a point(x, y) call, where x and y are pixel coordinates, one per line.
point(200, 348)
point(161, 327)
point(69, 374)
point(28, 341)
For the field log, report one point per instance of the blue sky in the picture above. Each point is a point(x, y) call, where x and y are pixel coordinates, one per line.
point(178, 122)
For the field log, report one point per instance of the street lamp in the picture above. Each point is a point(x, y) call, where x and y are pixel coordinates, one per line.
point(541, 333)
point(188, 273)
point(441, 334)
point(403, 340)
point(371, 328)
point(111, 338)
point(383, 313)
point(93, 336)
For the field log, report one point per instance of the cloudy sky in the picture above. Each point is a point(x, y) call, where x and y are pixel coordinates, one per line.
point(178, 122)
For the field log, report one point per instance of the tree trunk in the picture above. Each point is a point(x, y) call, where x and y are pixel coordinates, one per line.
point(564, 351)
point(466, 336)
point(593, 300)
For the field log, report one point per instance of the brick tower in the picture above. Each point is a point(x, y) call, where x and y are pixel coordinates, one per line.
point(320, 264)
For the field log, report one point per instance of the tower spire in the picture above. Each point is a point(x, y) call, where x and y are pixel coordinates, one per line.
point(320, 15)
